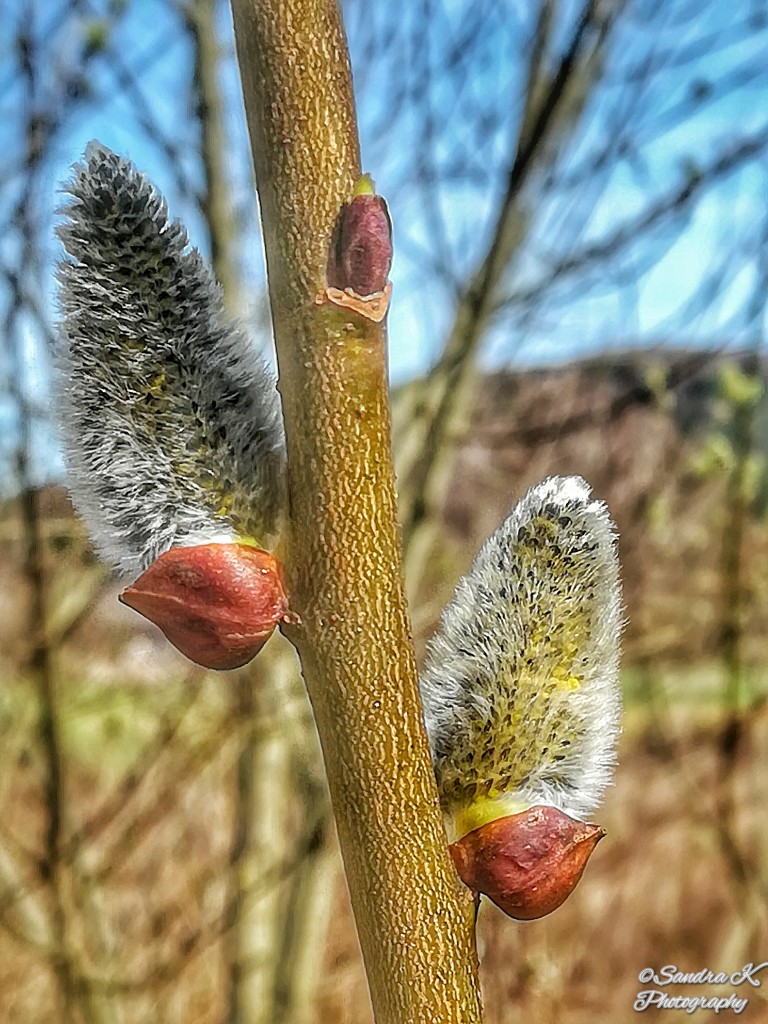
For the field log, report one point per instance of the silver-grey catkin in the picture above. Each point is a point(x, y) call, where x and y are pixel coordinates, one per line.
point(171, 420)
point(520, 690)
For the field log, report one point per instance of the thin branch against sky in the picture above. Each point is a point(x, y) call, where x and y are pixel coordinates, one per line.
point(440, 89)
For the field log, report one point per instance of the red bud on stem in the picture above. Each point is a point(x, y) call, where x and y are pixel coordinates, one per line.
point(361, 255)
point(527, 863)
point(217, 603)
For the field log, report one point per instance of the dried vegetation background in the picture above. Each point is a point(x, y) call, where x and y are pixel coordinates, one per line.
point(173, 910)
point(167, 852)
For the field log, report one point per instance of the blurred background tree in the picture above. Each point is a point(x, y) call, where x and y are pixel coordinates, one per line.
point(578, 191)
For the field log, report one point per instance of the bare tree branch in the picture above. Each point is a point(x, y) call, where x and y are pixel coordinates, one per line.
point(341, 554)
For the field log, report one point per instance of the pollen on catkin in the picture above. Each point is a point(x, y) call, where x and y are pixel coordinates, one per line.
point(170, 418)
point(520, 690)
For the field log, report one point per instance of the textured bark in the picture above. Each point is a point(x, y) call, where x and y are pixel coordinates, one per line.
point(342, 552)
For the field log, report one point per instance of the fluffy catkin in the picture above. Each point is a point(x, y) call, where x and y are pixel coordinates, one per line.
point(171, 420)
point(520, 690)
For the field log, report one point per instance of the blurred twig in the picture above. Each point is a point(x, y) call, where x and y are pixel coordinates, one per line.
point(438, 412)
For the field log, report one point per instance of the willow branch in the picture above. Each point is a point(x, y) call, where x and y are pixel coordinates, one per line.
point(342, 554)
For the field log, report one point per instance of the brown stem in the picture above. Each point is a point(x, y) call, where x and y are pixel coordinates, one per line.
point(258, 842)
point(215, 199)
point(39, 660)
point(342, 551)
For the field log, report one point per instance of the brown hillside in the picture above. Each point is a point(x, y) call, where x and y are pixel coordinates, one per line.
point(635, 427)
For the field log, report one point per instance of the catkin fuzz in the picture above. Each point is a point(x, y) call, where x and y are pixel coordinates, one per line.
point(520, 690)
point(171, 420)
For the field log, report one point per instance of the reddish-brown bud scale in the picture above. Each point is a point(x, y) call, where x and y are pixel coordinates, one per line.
point(217, 603)
point(361, 248)
point(527, 863)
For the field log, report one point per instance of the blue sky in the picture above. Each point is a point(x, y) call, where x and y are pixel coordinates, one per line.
point(642, 297)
